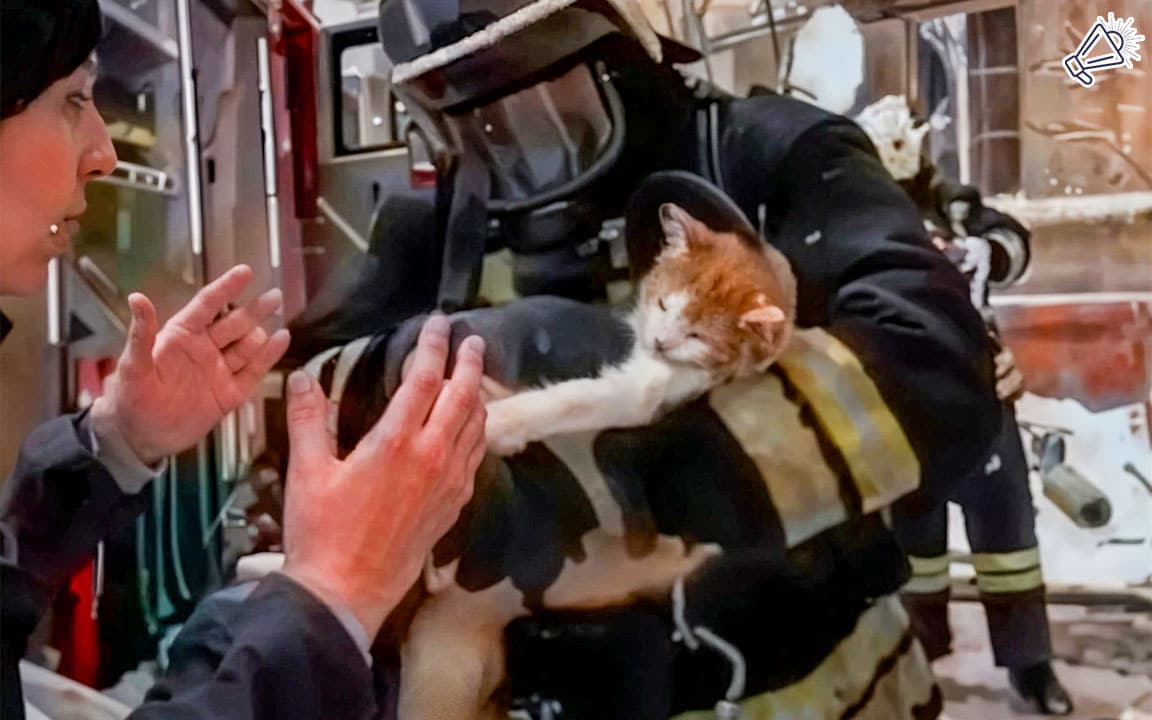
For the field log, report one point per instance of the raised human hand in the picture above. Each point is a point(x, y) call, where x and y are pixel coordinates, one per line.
point(1009, 380)
point(172, 386)
point(357, 531)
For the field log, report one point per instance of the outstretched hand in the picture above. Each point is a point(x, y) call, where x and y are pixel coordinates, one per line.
point(357, 531)
point(174, 384)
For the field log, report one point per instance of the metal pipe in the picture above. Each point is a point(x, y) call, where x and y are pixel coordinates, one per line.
point(191, 126)
point(55, 302)
point(229, 429)
point(1089, 298)
point(696, 33)
point(342, 224)
point(775, 38)
point(268, 133)
point(141, 178)
point(724, 41)
point(88, 272)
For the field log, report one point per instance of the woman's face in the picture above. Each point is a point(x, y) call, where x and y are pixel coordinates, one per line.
point(48, 153)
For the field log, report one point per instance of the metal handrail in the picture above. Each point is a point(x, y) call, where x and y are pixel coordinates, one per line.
point(191, 127)
point(127, 19)
point(141, 177)
point(268, 131)
point(333, 216)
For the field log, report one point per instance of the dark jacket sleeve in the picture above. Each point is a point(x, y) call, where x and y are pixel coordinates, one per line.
point(288, 655)
point(979, 218)
point(867, 273)
point(528, 341)
point(901, 306)
point(58, 503)
point(280, 653)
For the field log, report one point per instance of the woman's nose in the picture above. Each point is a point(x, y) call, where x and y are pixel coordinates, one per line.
point(99, 158)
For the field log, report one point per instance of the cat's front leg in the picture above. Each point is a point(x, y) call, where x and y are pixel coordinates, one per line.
point(505, 429)
point(630, 395)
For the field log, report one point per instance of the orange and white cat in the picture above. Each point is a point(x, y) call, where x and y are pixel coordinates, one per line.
point(714, 307)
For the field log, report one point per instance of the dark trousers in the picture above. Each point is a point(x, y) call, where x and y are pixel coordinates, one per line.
point(1000, 521)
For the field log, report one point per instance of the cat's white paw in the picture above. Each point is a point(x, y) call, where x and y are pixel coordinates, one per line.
point(505, 446)
point(503, 436)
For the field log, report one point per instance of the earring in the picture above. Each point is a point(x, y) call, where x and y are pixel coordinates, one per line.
point(54, 228)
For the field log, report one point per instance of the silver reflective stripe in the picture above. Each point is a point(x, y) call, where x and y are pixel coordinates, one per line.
point(313, 366)
point(349, 356)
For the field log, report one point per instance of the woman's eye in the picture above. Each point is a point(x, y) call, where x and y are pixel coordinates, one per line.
point(660, 304)
point(79, 99)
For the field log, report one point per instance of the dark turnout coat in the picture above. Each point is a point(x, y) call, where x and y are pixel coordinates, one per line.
point(888, 396)
point(287, 655)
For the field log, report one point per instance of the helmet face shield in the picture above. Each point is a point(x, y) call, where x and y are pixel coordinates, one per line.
point(472, 57)
point(505, 82)
point(523, 117)
point(539, 144)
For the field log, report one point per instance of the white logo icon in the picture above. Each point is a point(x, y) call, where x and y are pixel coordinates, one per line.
point(1121, 45)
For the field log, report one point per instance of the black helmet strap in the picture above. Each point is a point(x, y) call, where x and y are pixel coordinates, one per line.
point(466, 233)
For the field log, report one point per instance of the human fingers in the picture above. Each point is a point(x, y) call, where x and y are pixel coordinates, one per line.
point(460, 396)
point(1005, 362)
point(471, 465)
point(472, 433)
point(136, 361)
point(203, 309)
point(307, 434)
point(241, 352)
point(239, 323)
point(1011, 386)
point(262, 361)
point(414, 399)
point(464, 457)
point(476, 458)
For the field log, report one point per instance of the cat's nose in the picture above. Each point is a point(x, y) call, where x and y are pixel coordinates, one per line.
point(659, 345)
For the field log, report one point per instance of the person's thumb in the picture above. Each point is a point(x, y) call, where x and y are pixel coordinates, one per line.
point(307, 434)
point(136, 360)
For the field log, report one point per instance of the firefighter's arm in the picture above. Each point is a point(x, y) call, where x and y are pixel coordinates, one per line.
point(869, 274)
point(529, 341)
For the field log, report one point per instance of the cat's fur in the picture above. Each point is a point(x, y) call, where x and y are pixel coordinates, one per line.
point(712, 308)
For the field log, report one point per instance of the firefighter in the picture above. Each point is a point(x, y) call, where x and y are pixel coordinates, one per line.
point(543, 118)
point(988, 247)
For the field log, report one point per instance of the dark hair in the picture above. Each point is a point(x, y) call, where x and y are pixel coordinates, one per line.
point(42, 41)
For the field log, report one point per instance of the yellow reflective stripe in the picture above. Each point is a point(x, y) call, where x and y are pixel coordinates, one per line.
point(1006, 561)
point(929, 565)
point(851, 411)
point(1011, 582)
point(803, 486)
point(854, 674)
point(927, 584)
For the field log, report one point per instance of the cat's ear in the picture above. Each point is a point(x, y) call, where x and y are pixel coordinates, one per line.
point(765, 319)
point(676, 224)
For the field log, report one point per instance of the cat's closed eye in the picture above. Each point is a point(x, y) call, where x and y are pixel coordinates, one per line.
point(660, 304)
point(693, 336)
